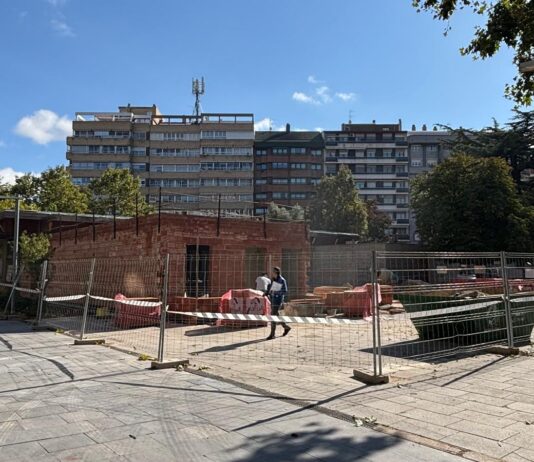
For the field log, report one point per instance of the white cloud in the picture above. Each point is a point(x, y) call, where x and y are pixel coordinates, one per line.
point(304, 98)
point(346, 96)
point(2, 144)
point(313, 80)
point(62, 28)
point(44, 126)
point(267, 124)
point(324, 94)
point(8, 175)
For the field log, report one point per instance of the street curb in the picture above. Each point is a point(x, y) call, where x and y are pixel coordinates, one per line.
point(169, 364)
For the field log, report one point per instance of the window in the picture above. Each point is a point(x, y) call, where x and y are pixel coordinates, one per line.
point(331, 169)
point(279, 151)
point(416, 148)
point(175, 168)
point(371, 153)
point(432, 148)
point(173, 136)
point(387, 136)
point(401, 215)
point(280, 181)
point(139, 167)
point(388, 184)
point(343, 154)
point(298, 195)
point(402, 199)
point(387, 153)
point(315, 181)
point(79, 149)
point(370, 136)
point(139, 135)
point(261, 166)
point(431, 163)
point(261, 181)
point(175, 183)
point(316, 152)
point(261, 196)
point(298, 166)
point(173, 152)
point(226, 166)
point(213, 134)
point(278, 165)
point(261, 152)
point(298, 180)
point(298, 150)
point(224, 151)
point(360, 184)
point(417, 163)
point(360, 154)
point(279, 195)
point(139, 152)
point(388, 199)
point(122, 150)
point(82, 181)
point(371, 184)
point(316, 166)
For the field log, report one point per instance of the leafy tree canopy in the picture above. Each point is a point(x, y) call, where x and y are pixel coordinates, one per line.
point(117, 189)
point(471, 204)
point(34, 248)
point(277, 212)
point(377, 222)
point(337, 206)
point(508, 22)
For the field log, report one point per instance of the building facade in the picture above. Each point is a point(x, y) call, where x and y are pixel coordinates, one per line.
point(193, 159)
point(426, 149)
point(287, 167)
point(377, 156)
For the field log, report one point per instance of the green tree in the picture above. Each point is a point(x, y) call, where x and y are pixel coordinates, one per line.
point(514, 142)
point(34, 248)
point(117, 189)
point(508, 22)
point(27, 187)
point(279, 212)
point(58, 194)
point(377, 222)
point(337, 206)
point(471, 204)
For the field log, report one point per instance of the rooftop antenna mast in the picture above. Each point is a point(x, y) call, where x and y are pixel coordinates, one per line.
point(350, 116)
point(199, 89)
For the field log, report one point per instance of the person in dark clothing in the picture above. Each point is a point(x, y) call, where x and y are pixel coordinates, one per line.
point(277, 293)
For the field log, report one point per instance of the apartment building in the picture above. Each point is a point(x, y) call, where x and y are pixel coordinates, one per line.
point(287, 167)
point(426, 149)
point(377, 156)
point(193, 159)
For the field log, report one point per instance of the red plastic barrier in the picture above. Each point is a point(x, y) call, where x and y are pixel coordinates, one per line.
point(129, 316)
point(244, 301)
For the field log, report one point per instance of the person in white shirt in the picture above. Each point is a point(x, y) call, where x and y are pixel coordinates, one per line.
point(263, 282)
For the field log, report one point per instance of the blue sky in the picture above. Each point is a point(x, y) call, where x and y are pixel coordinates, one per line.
point(307, 62)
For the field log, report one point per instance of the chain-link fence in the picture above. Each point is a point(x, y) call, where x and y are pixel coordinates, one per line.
point(406, 308)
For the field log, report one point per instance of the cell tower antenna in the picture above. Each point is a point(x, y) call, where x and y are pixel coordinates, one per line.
point(350, 116)
point(198, 89)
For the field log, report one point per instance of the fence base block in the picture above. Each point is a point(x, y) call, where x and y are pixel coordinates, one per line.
point(169, 364)
point(370, 379)
point(504, 350)
point(92, 341)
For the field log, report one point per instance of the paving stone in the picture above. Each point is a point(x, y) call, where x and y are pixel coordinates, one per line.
point(22, 452)
point(66, 442)
point(482, 429)
point(432, 417)
point(94, 453)
point(436, 432)
point(527, 454)
point(473, 416)
point(483, 445)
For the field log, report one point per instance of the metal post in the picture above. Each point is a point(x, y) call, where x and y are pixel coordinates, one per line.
point(163, 317)
point(159, 210)
point(373, 310)
point(114, 219)
point(507, 305)
point(219, 215)
point(137, 215)
point(42, 287)
point(76, 228)
point(87, 297)
point(94, 229)
point(16, 248)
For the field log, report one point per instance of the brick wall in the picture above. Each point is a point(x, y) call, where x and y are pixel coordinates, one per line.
point(236, 256)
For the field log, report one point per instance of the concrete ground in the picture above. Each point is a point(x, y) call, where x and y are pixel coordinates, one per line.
point(482, 404)
point(60, 402)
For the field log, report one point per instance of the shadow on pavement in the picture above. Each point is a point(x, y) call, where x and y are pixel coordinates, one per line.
point(315, 440)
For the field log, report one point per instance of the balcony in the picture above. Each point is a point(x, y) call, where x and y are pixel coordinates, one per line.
point(403, 190)
point(403, 221)
point(402, 206)
point(401, 159)
point(331, 159)
point(402, 174)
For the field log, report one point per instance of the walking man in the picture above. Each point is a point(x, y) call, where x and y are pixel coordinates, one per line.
point(263, 282)
point(277, 293)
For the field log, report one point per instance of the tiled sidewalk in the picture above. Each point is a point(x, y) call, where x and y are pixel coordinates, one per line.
point(60, 402)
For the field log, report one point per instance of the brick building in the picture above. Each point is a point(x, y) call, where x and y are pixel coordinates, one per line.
point(287, 167)
point(207, 257)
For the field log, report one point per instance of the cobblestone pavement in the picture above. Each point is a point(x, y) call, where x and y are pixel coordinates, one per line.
point(60, 402)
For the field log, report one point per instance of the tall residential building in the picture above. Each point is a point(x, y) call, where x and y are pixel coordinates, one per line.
point(426, 149)
point(287, 167)
point(377, 156)
point(192, 158)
